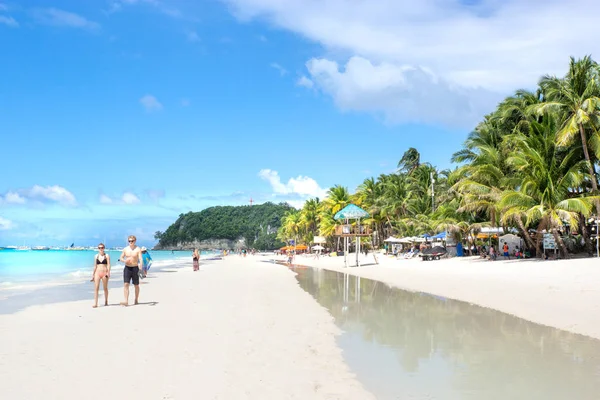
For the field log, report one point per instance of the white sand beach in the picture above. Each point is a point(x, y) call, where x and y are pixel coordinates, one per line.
point(562, 294)
point(238, 329)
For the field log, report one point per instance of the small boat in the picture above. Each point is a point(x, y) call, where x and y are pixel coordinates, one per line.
point(10, 248)
point(23, 248)
point(38, 248)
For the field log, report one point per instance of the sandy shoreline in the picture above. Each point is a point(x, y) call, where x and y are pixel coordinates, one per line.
point(239, 329)
point(561, 294)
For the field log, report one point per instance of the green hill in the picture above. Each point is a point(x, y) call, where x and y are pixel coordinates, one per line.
point(256, 224)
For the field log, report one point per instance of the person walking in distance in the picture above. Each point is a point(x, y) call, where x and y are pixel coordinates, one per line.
point(132, 257)
point(196, 259)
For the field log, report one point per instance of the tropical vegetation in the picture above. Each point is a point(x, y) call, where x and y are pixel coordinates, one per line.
point(257, 224)
point(530, 166)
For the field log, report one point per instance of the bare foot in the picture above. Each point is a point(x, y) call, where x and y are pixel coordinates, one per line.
point(95, 306)
point(105, 304)
point(124, 303)
point(136, 303)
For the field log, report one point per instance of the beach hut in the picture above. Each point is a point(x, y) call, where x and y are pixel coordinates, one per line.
point(351, 213)
point(513, 242)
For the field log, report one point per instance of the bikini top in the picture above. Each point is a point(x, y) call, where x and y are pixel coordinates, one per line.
point(101, 262)
point(195, 258)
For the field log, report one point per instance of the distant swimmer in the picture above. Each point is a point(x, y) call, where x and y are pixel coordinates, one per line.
point(101, 273)
point(132, 257)
point(196, 259)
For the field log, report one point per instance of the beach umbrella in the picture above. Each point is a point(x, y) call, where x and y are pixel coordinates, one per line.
point(351, 211)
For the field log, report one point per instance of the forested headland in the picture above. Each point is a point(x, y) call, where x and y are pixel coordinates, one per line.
point(256, 224)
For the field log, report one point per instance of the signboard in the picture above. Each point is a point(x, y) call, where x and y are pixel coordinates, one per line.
point(319, 239)
point(549, 242)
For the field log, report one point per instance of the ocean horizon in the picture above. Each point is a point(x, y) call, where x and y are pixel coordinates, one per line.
point(29, 270)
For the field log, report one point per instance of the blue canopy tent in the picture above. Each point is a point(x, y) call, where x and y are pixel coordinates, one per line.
point(441, 235)
point(347, 213)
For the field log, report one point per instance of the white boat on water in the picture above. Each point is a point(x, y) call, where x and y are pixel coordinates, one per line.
point(10, 247)
point(38, 248)
point(23, 248)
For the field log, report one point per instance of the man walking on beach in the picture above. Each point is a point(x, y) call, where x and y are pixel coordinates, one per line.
point(132, 257)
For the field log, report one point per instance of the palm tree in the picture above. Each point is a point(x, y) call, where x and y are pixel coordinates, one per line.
point(410, 160)
point(577, 99)
point(548, 173)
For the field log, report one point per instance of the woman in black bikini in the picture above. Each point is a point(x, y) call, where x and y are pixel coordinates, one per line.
point(196, 259)
point(101, 273)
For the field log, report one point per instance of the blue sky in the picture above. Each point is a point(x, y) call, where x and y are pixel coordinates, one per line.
point(117, 116)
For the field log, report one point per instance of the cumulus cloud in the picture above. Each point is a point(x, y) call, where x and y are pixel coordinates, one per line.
point(151, 103)
point(6, 224)
point(12, 198)
point(104, 199)
point(469, 52)
point(130, 198)
point(399, 93)
point(305, 82)
point(8, 21)
point(302, 185)
point(36, 194)
point(54, 193)
point(57, 17)
point(282, 71)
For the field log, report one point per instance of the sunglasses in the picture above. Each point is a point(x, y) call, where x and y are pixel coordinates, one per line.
point(101, 248)
point(131, 241)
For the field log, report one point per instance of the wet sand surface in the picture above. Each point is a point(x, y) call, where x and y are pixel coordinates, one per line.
point(407, 345)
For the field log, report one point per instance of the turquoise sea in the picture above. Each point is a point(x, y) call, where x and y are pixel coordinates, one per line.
point(31, 269)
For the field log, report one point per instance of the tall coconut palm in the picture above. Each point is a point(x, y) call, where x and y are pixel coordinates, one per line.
point(548, 173)
point(576, 98)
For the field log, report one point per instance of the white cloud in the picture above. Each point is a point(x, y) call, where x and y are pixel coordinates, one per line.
point(54, 193)
point(469, 51)
point(193, 37)
point(104, 199)
point(304, 81)
point(302, 185)
point(8, 21)
point(13, 198)
point(282, 71)
point(56, 17)
point(399, 93)
point(6, 224)
point(37, 193)
point(151, 103)
point(130, 198)
point(155, 194)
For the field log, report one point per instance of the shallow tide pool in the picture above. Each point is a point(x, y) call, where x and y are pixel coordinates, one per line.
point(407, 345)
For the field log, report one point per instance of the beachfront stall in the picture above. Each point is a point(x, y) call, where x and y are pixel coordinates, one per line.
point(348, 231)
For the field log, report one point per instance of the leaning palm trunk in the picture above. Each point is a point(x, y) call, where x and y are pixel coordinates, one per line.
point(538, 244)
point(561, 244)
point(590, 165)
point(526, 237)
point(584, 233)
